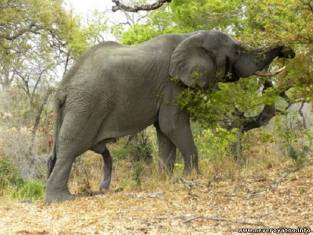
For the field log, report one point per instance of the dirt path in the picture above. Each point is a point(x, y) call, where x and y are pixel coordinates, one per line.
point(278, 199)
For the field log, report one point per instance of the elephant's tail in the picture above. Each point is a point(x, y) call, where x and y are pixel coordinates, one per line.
point(59, 103)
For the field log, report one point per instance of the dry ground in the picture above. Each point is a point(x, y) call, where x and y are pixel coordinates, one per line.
point(273, 197)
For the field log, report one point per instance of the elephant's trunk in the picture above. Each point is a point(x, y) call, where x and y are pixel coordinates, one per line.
point(254, 62)
point(265, 56)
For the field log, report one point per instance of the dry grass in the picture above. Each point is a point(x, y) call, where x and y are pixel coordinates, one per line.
point(268, 194)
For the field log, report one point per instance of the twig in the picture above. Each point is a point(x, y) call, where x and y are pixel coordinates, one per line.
point(302, 115)
point(222, 220)
point(188, 184)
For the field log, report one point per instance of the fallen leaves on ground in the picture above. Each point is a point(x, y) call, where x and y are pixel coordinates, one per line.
point(276, 198)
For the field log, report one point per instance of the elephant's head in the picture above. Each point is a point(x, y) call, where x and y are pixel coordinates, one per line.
point(207, 57)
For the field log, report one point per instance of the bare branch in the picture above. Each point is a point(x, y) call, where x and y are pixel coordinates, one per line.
point(222, 220)
point(302, 115)
point(37, 83)
point(25, 80)
point(38, 118)
point(145, 7)
point(249, 123)
point(67, 60)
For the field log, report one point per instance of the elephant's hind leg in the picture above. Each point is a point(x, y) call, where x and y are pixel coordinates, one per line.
point(57, 189)
point(50, 164)
point(107, 168)
point(105, 184)
point(76, 134)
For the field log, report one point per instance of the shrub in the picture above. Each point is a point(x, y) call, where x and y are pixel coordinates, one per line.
point(137, 172)
point(296, 140)
point(213, 144)
point(140, 148)
point(15, 146)
point(135, 148)
point(31, 190)
point(9, 176)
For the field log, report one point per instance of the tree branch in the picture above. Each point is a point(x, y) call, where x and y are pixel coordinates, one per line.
point(31, 28)
point(263, 118)
point(222, 220)
point(37, 83)
point(67, 60)
point(38, 118)
point(25, 81)
point(302, 114)
point(145, 7)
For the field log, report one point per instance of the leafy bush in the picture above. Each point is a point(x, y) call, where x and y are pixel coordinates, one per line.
point(12, 183)
point(135, 148)
point(213, 144)
point(15, 144)
point(31, 190)
point(140, 148)
point(299, 156)
point(137, 172)
point(211, 108)
point(9, 176)
point(296, 141)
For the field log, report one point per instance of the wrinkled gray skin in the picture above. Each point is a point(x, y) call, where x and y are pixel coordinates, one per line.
point(116, 90)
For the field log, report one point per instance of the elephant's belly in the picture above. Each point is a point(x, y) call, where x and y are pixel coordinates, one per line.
point(128, 119)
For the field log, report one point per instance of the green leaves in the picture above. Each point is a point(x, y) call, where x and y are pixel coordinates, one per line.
point(257, 23)
point(204, 14)
point(9, 176)
point(186, 16)
point(212, 108)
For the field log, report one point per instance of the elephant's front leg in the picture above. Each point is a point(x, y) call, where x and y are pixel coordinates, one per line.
point(174, 123)
point(167, 151)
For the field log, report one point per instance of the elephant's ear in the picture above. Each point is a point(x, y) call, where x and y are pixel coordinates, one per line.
point(192, 63)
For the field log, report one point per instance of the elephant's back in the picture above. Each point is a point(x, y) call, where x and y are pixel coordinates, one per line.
point(86, 61)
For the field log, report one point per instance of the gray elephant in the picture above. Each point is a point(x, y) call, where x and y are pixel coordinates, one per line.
point(116, 90)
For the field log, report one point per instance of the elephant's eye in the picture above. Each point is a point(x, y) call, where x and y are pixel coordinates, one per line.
point(237, 52)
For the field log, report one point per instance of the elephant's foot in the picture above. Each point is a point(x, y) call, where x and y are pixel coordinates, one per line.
point(187, 171)
point(58, 196)
point(198, 171)
point(167, 168)
point(105, 184)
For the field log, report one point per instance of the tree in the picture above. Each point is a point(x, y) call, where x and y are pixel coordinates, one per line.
point(255, 23)
point(38, 42)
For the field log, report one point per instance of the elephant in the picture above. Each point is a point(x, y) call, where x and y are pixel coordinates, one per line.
point(117, 90)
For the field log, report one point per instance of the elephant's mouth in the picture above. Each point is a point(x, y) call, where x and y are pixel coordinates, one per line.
point(264, 73)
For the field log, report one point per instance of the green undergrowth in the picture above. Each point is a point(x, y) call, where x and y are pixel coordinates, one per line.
point(12, 184)
point(31, 190)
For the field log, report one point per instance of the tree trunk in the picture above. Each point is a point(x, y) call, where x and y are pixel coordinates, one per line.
point(236, 148)
point(37, 120)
